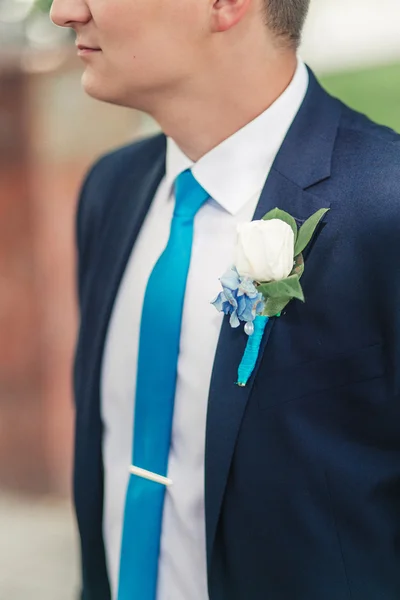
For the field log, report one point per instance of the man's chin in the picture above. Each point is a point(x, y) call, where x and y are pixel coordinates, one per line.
point(98, 90)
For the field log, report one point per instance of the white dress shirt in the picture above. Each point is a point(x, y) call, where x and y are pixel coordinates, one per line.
point(233, 174)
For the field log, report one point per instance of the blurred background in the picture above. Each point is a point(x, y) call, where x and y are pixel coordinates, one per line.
point(49, 134)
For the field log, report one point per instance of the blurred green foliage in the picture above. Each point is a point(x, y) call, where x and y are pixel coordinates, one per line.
point(374, 91)
point(43, 5)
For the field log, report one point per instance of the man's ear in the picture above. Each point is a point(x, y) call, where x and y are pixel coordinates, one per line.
point(227, 13)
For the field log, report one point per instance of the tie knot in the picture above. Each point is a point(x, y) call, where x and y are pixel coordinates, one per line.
point(189, 195)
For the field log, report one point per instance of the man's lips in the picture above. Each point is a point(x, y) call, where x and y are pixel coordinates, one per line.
point(83, 49)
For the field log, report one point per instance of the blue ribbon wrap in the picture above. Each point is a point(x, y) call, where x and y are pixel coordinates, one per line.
point(252, 349)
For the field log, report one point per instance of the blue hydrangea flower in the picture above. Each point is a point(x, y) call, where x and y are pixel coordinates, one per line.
point(239, 298)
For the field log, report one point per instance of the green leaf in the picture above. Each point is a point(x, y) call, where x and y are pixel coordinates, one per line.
point(298, 266)
point(306, 231)
point(286, 288)
point(274, 306)
point(276, 213)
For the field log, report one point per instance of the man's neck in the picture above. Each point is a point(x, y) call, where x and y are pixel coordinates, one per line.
point(220, 104)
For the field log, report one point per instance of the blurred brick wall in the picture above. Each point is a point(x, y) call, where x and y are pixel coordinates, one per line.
point(20, 369)
point(52, 134)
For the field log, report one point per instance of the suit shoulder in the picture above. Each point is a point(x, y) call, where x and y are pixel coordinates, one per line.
point(368, 139)
point(366, 158)
point(110, 166)
point(364, 185)
point(109, 172)
point(358, 122)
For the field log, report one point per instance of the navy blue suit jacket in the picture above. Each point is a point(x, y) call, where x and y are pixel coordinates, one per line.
point(302, 467)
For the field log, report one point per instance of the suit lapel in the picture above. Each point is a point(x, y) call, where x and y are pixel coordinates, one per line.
point(303, 160)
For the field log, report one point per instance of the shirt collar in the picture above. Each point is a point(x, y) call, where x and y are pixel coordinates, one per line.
point(235, 170)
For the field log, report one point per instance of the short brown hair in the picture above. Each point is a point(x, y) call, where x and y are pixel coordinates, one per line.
point(286, 18)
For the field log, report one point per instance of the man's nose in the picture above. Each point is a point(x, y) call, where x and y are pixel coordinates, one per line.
point(67, 13)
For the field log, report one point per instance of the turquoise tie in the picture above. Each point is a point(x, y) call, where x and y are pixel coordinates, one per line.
point(155, 393)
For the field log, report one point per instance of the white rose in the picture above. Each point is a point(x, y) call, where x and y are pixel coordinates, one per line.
point(265, 250)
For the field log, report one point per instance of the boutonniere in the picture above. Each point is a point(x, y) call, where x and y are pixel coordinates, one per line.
point(265, 277)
